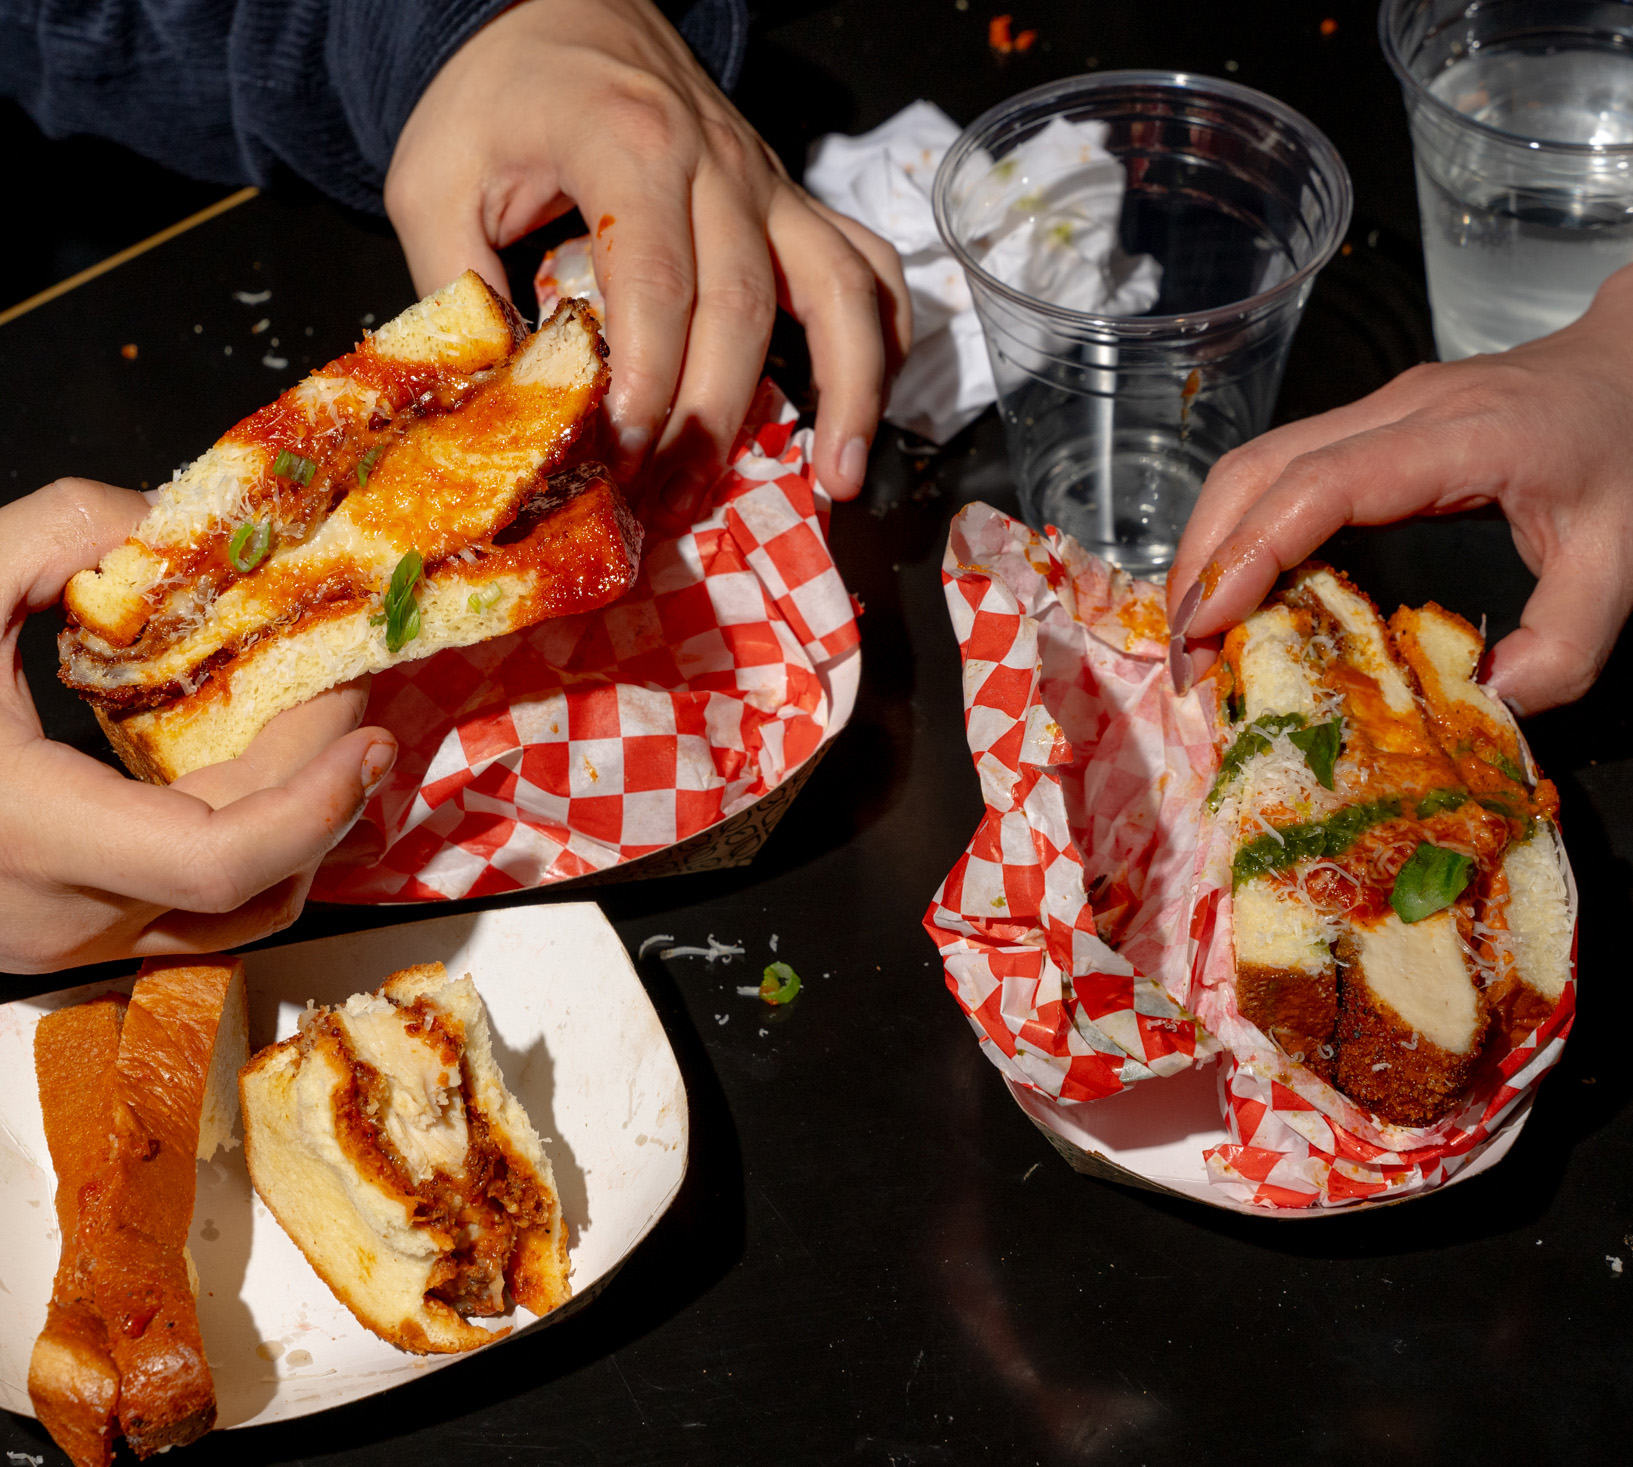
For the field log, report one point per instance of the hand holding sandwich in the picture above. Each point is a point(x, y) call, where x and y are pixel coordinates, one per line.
point(1541, 430)
point(698, 234)
point(94, 866)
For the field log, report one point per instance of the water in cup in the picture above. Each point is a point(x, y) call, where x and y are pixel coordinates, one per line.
point(1509, 257)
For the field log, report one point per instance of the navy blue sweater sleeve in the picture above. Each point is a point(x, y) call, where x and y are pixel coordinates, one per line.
point(230, 90)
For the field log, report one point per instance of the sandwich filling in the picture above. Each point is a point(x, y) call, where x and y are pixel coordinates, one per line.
point(1391, 840)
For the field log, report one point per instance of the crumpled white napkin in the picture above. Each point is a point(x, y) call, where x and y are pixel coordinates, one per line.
point(1057, 242)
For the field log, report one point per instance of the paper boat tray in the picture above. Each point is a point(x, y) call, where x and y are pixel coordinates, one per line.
point(579, 1044)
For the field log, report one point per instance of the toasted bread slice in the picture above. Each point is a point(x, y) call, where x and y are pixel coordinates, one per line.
point(384, 1141)
point(183, 1034)
point(1399, 893)
point(72, 1379)
point(1412, 1018)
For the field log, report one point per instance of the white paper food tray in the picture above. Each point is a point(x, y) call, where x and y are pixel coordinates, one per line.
point(581, 1047)
point(1154, 1135)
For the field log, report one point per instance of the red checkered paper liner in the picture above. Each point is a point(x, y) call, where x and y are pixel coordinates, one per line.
point(588, 741)
point(1094, 776)
point(1064, 657)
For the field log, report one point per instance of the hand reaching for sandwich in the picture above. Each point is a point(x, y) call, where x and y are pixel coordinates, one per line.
point(95, 866)
point(698, 234)
point(1542, 430)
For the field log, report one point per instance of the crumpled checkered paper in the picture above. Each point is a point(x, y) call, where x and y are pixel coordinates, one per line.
point(1085, 932)
point(588, 741)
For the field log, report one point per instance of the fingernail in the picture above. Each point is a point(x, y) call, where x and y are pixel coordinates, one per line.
point(377, 762)
point(632, 443)
point(1185, 613)
point(1179, 665)
point(684, 495)
point(853, 461)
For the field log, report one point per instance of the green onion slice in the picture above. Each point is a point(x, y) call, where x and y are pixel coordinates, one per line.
point(780, 983)
point(1430, 881)
point(249, 544)
point(365, 465)
point(289, 465)
point(484, 599)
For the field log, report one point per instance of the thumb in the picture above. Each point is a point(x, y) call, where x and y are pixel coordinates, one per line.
point(68, 526)
point(1565, 636)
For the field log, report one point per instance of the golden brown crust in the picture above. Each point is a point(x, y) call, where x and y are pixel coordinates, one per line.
point(1296, 1009)
point(1387, 1066)
point(143, 756)
point(74, 1384)
point(72, 1380)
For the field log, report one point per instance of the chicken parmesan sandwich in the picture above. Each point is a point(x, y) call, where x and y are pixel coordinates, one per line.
point(1400, 905)
point(412, 495)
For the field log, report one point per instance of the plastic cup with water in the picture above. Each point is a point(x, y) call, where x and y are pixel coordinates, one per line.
point(1522, 136)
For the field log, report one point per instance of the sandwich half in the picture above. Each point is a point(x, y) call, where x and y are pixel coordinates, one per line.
point(382, 1138)
point(1399, 903)
point(406, 497)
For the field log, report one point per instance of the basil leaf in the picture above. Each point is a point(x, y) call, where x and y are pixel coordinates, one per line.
point(1443, 799)
point(365, 465)
point(1321, 745)
point(1430, 881)
point(401, 607)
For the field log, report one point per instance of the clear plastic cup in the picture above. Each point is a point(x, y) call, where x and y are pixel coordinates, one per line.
point(1522, 133)
point(1112, 421)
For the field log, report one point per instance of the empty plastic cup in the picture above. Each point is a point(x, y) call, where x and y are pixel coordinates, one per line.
point(1207, 206)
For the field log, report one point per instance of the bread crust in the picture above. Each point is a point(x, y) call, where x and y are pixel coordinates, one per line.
point(125, 1340)
point(72, 1379)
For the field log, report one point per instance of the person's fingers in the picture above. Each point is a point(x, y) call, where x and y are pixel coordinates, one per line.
point(281, 748)
point(725, 351)
point(895, 305)
point(1372, 478)
point(1568, 627)
point(67, 526)
point(641, 232)
point(1245, 473)
point(170, 848)
point(832, 291)
point(442, 245)
point(192, 932)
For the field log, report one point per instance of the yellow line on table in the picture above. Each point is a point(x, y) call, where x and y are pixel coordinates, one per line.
point(62, 287)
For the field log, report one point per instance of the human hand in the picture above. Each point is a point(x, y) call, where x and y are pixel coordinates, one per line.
point(1542, 431)
point(95, 866)
point(697, 232)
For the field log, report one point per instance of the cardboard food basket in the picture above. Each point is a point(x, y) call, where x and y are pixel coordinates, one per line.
point(581, 1047)
point(1085, 930)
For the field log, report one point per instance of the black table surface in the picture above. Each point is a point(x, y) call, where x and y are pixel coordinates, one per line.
point(874, 1256)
